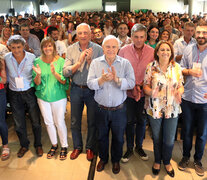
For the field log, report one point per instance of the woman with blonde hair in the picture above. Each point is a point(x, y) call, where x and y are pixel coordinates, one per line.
point(51, 88)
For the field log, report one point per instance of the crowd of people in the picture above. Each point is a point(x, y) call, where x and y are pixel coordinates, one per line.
point(126, 68)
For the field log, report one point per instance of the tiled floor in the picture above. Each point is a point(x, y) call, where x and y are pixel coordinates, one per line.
point(32, 168)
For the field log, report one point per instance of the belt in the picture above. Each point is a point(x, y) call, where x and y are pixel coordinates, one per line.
point(81, 86)
point(111, 108)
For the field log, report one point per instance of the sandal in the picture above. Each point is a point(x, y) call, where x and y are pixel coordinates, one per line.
point(5, 154)
point(63, 153)
point(52, 152)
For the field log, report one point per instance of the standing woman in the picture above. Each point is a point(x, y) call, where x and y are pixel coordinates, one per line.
point(163, 86)
point(152, 35)
point(51, 95)
point(3, 126)
point(5, 35)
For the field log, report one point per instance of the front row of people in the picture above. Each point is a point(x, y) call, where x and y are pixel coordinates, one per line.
point(102, 85)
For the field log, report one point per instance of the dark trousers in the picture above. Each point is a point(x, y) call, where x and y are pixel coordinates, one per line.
point(163, 133)
point(116, 122)
point(79, 97)
point(3, 125)
point(194, 115)
point(136, 117)
point(20, 103)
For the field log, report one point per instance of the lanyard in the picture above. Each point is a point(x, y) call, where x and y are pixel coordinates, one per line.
point(16, 69)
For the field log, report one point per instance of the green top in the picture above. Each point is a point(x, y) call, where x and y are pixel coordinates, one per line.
point(152, 45)
point(50, 89)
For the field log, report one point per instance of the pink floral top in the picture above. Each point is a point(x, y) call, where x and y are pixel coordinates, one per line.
point(165, 83)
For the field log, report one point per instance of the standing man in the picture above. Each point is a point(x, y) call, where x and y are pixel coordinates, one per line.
point(78, 60)
point(32, 42)
point(98, 36)
point(110, 76)
point(194, 104)
point(183, 42)
point(22, 97)
point(37, 30)
point(140, 55)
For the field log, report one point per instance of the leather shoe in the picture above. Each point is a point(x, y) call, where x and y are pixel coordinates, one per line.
point(39, 151)
point(89, 155)
point(116, 167)
point(75, 153)
point(21, 152)
point(170, 173)
point(100, 166)
point(155, 171)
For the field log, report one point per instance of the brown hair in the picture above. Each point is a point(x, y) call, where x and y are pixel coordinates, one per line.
point(45, 42)
point(163, 32)
point(158, 47)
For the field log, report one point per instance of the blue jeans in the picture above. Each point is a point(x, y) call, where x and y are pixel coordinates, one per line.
point(163, 134)
point(194, 114)
point(20, 103)
point(116, 121)
point(136, 117)
point(79, 97)
point(3, 125)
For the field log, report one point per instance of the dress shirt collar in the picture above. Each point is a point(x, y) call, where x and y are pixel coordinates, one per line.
point(90, 44)
point(25, 56)
point(117, 59)
point(135, 51)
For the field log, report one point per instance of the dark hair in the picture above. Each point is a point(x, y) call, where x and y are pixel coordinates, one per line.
point(51, 29)
point(150, 28)
point(158, 47)
point(121, 24)
point(23, 25)
point(163, 32)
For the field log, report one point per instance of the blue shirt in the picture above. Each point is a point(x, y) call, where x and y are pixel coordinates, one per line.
point(195, 87)
point(110, 94)
point(24, 69)
point(72, 56)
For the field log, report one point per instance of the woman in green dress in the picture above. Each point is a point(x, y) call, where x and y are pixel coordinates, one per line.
point(51, 88)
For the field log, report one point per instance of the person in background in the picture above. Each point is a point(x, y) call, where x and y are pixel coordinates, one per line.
point(183, 42)
point(37, 30)
point(5, 35)
point(110, 76)
point(3, 125)
point(51, 86)
point(165, 36)
point(163, 89)
point(152, 36)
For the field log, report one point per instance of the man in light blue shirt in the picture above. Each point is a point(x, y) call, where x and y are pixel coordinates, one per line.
point(194, 104)
point(22, 97)
point(110, 76)
point(183, 42)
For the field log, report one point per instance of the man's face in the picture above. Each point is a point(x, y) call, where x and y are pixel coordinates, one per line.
point(139, 38)
point(201, 35)
point(123, 30)
point(37, 26)
point(55, 35)
point(83, 34)
point(53, 21)
point(24, 32)
point(98, 34)
point(17, 49)
point(58, 19)
point(110, 49)
point(189, 32)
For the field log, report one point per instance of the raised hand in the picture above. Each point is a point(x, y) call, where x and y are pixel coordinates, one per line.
point(52, 68)
point(37, 69)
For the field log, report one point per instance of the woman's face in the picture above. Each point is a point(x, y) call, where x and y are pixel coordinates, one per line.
point(7, 33)
point(165, 36)
point(7, 22)
point(48, 49)
point(164, 52)
point(154, 33)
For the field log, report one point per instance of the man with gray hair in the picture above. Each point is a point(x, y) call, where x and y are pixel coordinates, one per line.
point(139, 54)
point(22, 97)
point(78, 59)
point(110, 76)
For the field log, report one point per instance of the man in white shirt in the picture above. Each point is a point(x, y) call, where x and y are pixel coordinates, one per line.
point(60, 45)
